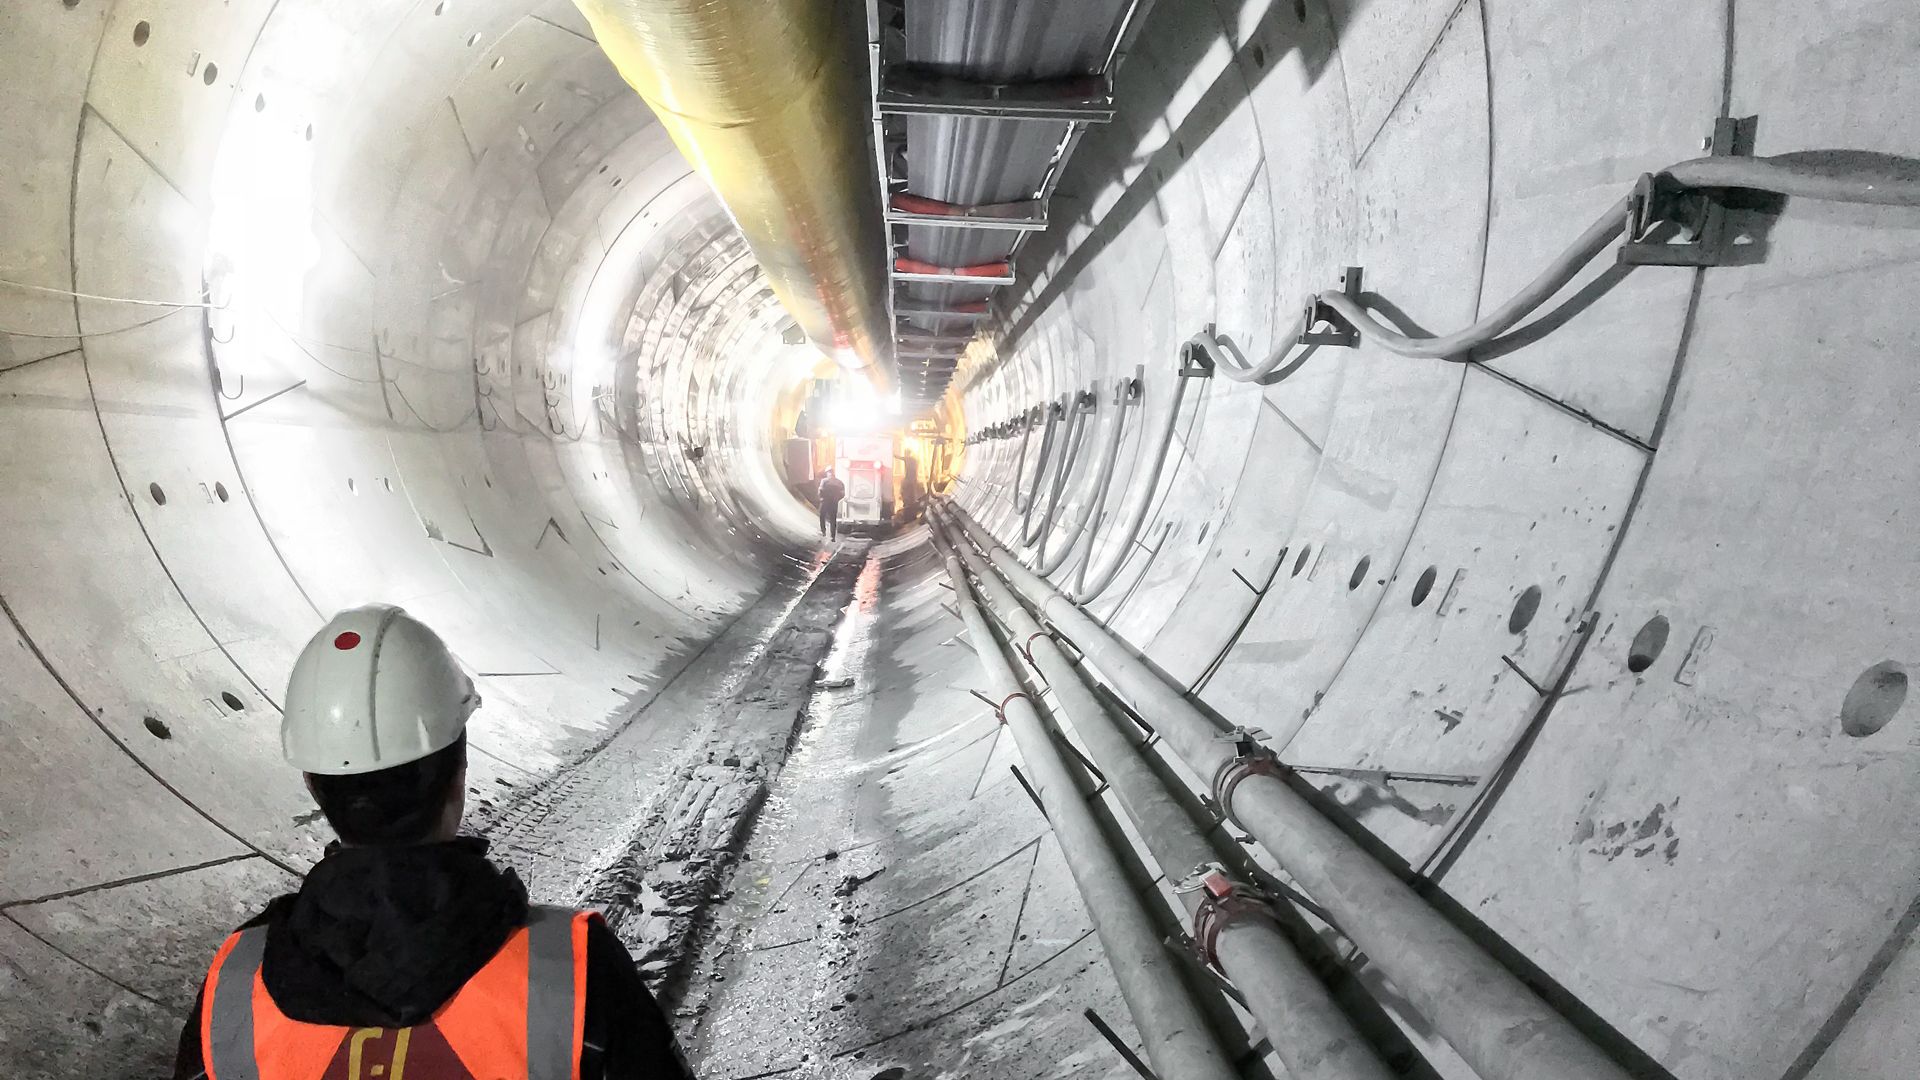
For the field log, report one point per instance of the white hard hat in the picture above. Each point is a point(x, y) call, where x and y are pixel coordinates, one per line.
point(375, 688)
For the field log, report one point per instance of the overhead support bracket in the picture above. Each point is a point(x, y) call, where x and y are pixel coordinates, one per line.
point(1672, 225)
point(1342, 333)
point(968, 312)
point(932, 341)
point(994, 273)
point(1013, 217)
point(1073, 101)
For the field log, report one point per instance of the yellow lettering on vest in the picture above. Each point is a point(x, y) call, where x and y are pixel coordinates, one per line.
point(399, 1063)
point(355, 1045)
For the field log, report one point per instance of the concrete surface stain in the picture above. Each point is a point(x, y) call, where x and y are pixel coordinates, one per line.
point(1643, 836)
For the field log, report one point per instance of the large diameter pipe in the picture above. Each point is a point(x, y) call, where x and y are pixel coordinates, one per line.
point(767, 99)
point(1314, 1039)
point(1492, 1019)
point(1172, 1028)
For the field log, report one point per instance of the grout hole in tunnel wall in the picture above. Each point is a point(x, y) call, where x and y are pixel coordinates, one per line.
point(70, 4)
point(1873, 699)
point(1525, 607)
point(233, 701)
point(259, 103)
point(440, 8)
point(1424, 585)
point(142, 30)
point(157, 493)
point(1300, 10)
point(519, 86)
point(1647, 644)
point(352, 487)
point(539, 105)
point(473, 39)
point(1260, 57)
point(1300, 563)
point(210, 73)
point(386, 483)
point(220, 491)
point(309, 132)
point(157, 729)
point(497, 61)
point(1359, 572)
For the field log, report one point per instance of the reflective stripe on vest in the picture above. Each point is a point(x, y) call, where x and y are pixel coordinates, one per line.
point(541, 968)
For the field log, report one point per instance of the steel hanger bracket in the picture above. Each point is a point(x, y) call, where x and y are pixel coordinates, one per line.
point(1341, 333)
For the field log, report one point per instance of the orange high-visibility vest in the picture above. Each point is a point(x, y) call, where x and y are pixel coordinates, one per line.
point(520, 1017)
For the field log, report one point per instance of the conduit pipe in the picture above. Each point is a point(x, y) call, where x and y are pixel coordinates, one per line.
point(1314, 1039)
point(766, 99)
point(1081, 405)
point(1123, 396)
point(1172, 1028)
point(1499, 1026)
point(1052, 411)
point(1848, 176)
point(1084, 592)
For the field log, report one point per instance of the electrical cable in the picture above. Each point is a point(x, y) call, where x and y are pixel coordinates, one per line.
point(1077, 419)
point(1083, 592)
point(1103, 477)
point(51, 291)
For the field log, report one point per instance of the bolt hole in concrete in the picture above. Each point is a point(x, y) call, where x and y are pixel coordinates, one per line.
point(352, 488)
point(309, 132)
point(1300, 563)
point(1300, 10)
point(1876, 695)
point(233, 701)
point(1525, 607)
point(1424, 585)
point(473, 39)
point(71, 4)
point(440, 8)
point(157, 729)
point(259, 103)
point(157, 493)
point(497, 61)
point(1259, 57)
point(1359, 572)
point(895, 1073)
point(1647, 644)
point(220, 491)
point(211, 73)
point(142, 30)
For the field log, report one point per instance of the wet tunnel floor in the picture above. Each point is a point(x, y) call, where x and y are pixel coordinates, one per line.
point(900, 910)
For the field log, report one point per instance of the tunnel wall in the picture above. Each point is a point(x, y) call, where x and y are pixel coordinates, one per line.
point(400, 248)
point(1684, 507)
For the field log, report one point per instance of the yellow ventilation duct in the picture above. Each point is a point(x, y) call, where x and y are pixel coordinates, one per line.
point(768, 100)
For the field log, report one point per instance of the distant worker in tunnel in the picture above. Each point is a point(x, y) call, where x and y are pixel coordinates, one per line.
point(831, 492)
point(405, 951)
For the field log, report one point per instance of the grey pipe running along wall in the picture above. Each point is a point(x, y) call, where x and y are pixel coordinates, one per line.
point(1607, 636)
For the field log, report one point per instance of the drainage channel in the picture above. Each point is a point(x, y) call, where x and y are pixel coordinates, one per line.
point(657, 869)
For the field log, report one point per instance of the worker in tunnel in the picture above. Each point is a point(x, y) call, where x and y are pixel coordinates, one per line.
point(405, 950)
point(830, 493)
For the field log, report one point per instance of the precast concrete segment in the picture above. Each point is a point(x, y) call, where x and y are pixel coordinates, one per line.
point(1483, 1010)
point(1171, 1025)
point(1319, 1042)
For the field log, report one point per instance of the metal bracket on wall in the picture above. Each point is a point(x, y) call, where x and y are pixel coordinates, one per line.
point(1342, 333)
point(1194, 361)
point(1671, 225)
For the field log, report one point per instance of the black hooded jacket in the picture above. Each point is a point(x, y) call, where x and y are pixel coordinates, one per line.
point(383, 936)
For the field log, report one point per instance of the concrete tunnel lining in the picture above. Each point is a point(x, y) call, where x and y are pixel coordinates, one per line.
point(469, 307)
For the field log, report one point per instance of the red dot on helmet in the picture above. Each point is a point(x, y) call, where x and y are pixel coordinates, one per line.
point(346, 641)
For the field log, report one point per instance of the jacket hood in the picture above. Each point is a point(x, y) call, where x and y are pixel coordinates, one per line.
point(383, 936)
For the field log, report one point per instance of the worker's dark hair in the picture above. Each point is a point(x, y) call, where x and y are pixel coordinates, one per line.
point(400, 805)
